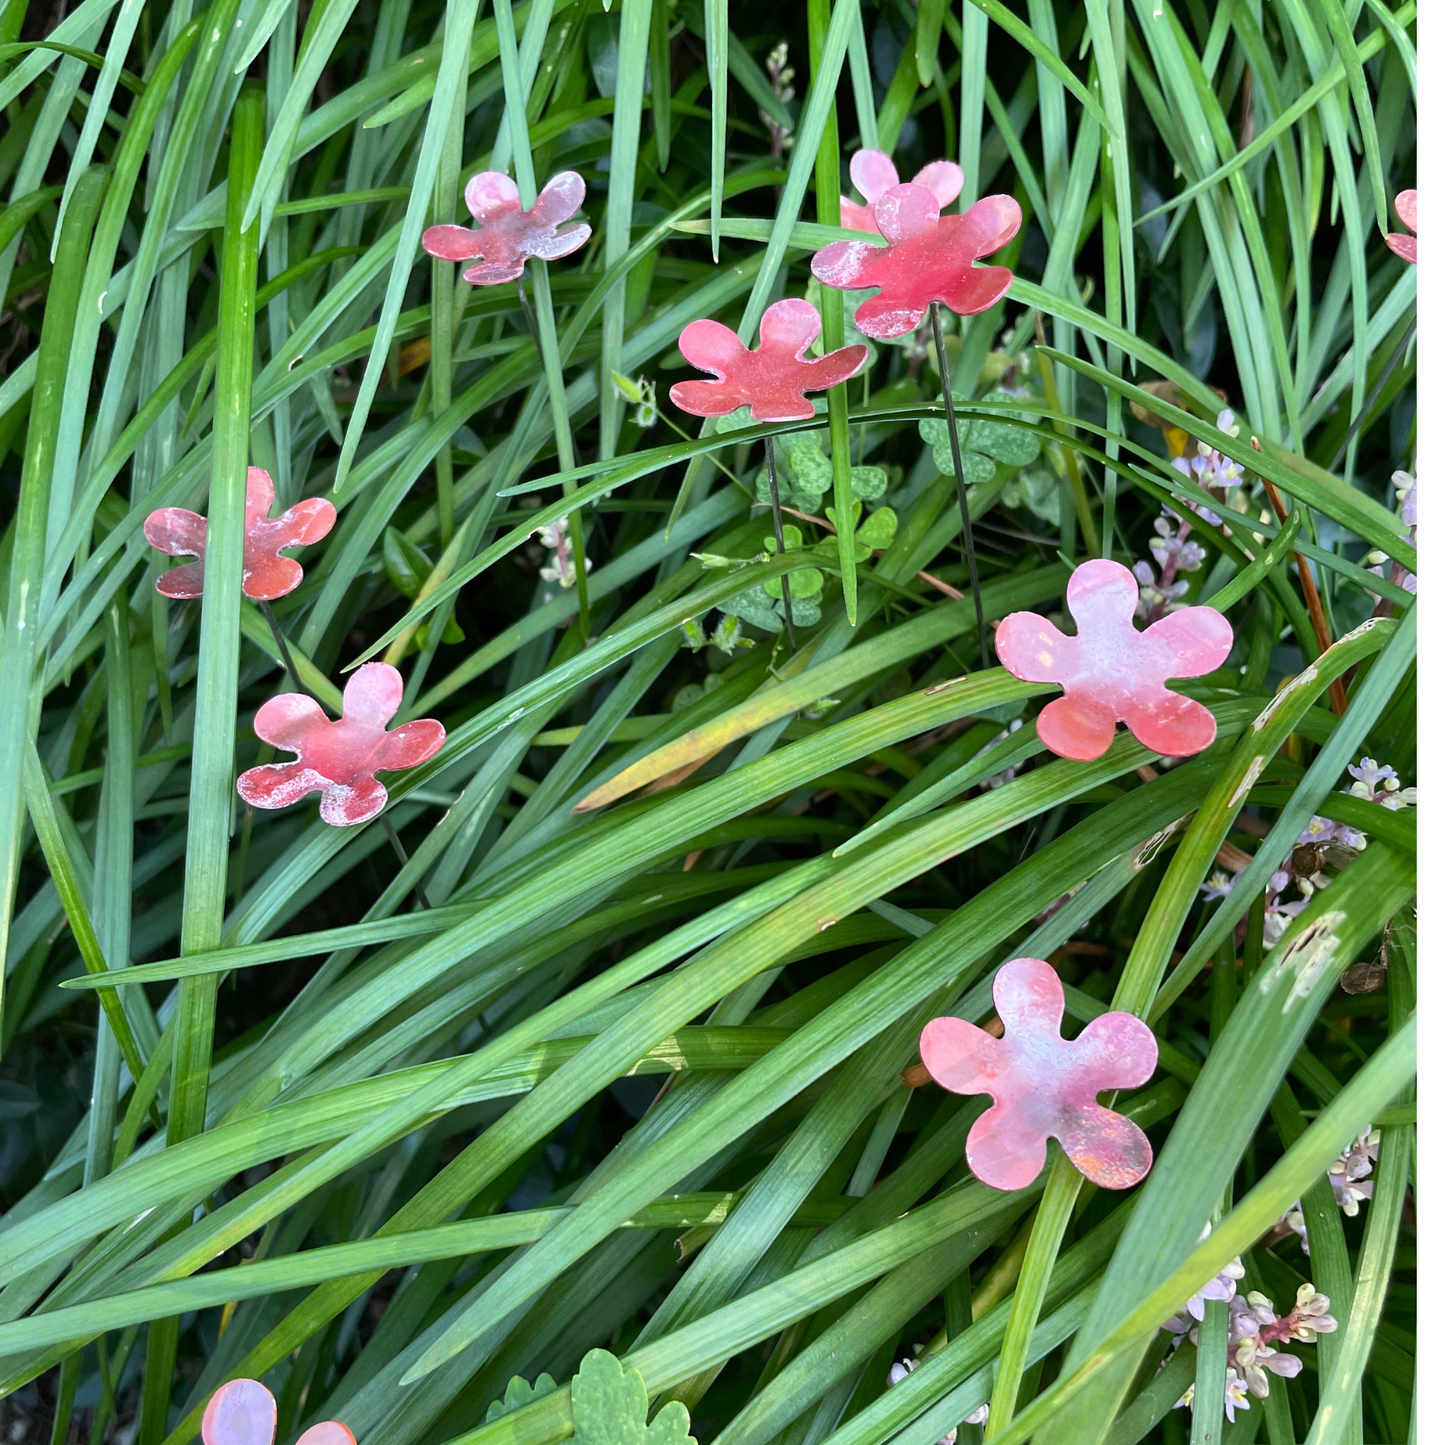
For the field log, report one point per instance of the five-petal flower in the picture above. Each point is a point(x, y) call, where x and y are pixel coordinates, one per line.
point(770, 380)
point(874, 174)
point(1111, 672)
point(1404, 246)
point(1043, 1085)
point(339, 759)
point(505, 235)
point(928, 258)
point(266, 575)
point(243, 1412)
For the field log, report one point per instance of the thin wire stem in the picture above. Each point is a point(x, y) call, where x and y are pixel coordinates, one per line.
point(399, 848)
point(287, 660)
point(778, 537)
point(957, 452)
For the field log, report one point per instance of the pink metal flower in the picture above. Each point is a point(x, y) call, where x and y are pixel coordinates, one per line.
point(1113, 673)
point(873, 173)
point(243, 1412)
point(505, 234)
point(928, 258)
point(1404, 246)
point(265, 575)
point(770, 380)
point(339, 759)
point(1043, 1085)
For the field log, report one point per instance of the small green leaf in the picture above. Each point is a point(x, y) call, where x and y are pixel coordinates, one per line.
point(753, 606)
point(520, 1393)
point(792, 539)
point(807, 583)
point(407, 566)
point(877, 532)
point(812, 471)
point(609, 1407)
point(870, 483)
point(1014, 446)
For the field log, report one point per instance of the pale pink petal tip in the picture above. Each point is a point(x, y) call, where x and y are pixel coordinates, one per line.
point(505, 236)
point(771, 380)
point(1405, 247)
point(339, 759)
point(328, 1432)
point(241, 1412)
point(1111, 672)
point(929, 257)
point(1045, 1086)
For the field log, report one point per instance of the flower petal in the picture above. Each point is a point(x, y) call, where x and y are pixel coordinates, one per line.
point(990, 223)
point(241, 1412)
point(560, 199)
point(843, 263)
point(260, 494)
point(288, 720)
point(1102, 594)
point(944, 179)
point(343, 805)
point(493, 273)
point(1077, 727)
point(907, 211)
point(707, 398)
point(1170, 724)
point(410, 744)
point(710, 346)
point(184, 583)
point(1029, 997)
point(1199, 637)
point(176, 532)
point(873, 173)
point(1405, 204)
point(552, 246)
point(372, 695)
point(855, 217)
point(278, 785)
point(960, 1056)
point(1117, 1049)
point(1033, 649)
point(1405, 247)
point(1106, 1148)
point(451, 243)
point(1003, 1151)
point(306, 523)
point(790, 326)
point(266, 576)
point(328, 1432)
point(837, 366)
point(883, 316)
point(978, 289)
point(491, 194)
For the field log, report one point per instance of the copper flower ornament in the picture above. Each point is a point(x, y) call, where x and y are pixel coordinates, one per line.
point(1044, 1086)
point(1404, 246)
point(1111, 672)
point(874, 174)
point(266, 575)
point(928, 258)
point(243, 1412)
point(339, 759)
point(771, 380)
point(505, 235)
